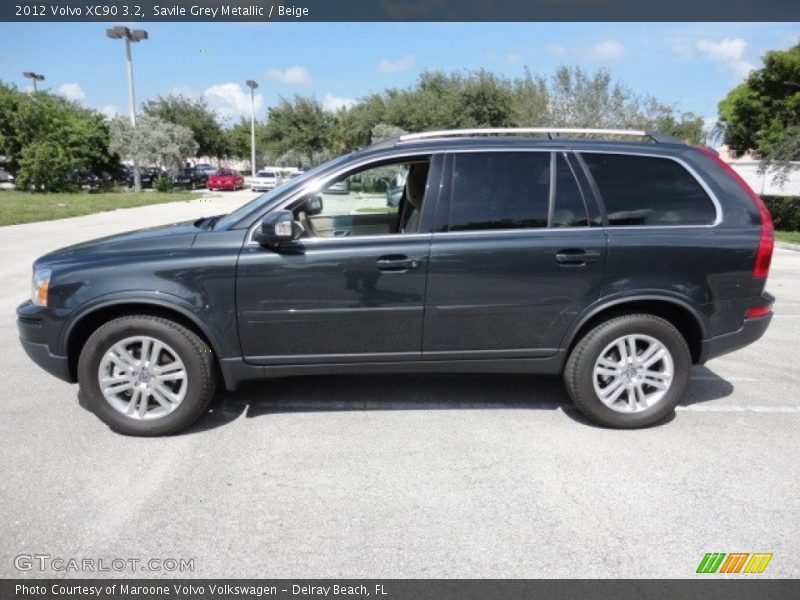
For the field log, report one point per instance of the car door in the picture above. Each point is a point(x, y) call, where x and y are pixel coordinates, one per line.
point(514, 258)
point(342, 298)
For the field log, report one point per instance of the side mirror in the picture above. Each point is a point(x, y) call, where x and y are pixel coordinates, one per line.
point(276, 228)
point(313, 206)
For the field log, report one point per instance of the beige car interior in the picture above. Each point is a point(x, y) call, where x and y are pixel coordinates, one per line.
point(333, 223)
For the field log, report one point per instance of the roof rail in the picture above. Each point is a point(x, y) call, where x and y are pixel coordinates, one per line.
point(549, 131)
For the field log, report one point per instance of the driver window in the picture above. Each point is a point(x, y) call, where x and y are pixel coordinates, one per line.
point(379, 200)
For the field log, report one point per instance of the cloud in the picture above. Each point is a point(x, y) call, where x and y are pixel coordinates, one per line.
point(110, 111)
point(395, 66)
point(231, 100)
point(727, 53)
point(295, 75)
point(183, 90)
point(72, 91)
point(333, 103)
point(513, 59)
point(608, 50)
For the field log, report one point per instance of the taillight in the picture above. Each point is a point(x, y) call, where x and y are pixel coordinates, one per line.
point(766, 242)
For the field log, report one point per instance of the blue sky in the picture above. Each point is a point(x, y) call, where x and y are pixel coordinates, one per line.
point(690, 65)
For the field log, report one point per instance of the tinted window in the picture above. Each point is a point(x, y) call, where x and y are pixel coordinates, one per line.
point(500, 190)
point(569, 209)
point(641, 190)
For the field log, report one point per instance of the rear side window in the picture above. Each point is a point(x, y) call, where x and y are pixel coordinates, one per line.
point(644, 190)
point(500, 190)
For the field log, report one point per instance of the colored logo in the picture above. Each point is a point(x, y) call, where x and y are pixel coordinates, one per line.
point(735, 562)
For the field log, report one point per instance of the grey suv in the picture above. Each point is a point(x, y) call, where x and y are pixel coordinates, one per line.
point(618, 264)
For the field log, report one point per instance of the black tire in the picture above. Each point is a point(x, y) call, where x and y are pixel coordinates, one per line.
point(192, 351)
point(579, 370)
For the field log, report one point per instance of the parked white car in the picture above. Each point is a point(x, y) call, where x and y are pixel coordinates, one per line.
point(264, 181)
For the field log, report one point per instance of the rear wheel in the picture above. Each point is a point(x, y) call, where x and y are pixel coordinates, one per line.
point(629, 371)
point(146, 376)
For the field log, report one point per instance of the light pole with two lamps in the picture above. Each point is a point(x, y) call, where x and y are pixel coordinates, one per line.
point(137, 35)
point(252, 85)
point(35, 76)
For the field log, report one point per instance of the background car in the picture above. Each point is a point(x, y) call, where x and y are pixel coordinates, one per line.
point(264, 181)
point(394, 195)
point(340, 187)
point(190, 178)
point(147, 175)
point(226, 179)
point(206, 168)
point(5, 176)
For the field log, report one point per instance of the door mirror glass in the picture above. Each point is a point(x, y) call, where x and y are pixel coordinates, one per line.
point(277, 228)
point(313, 206)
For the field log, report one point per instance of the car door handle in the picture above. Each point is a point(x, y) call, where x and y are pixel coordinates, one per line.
point(576, 256)
point(396, 263)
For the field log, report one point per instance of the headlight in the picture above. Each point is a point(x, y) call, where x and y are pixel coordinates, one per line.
point(40, 286)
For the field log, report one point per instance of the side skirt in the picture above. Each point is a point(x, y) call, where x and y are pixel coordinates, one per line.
point(236, 370)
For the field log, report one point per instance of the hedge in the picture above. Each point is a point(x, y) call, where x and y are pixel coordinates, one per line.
point(785, 211)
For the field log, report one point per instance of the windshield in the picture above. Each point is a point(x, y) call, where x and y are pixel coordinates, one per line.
point(265, 174)
point(263, 201)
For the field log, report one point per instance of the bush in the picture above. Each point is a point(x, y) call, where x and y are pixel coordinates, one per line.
point(163, 184)
point(785, 211)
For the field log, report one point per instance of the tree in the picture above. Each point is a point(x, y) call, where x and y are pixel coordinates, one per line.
point(299, 128)
point(154, 141)
point(196, 115)
point(762, 115)
point(46, 139)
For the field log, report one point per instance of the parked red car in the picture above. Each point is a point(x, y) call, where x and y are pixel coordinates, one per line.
point(226, 179)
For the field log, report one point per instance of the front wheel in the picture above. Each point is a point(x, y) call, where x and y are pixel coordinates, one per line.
point(146, 376)
point(628, 372)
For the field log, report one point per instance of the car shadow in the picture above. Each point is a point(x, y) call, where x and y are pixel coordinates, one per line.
point(333, 393)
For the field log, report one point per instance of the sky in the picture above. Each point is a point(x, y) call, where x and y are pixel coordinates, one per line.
point(689, 65)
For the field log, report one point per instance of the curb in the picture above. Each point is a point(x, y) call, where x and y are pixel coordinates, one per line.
point(788, 246)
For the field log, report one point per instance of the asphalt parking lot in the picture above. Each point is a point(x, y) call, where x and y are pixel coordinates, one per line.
point(400, 476)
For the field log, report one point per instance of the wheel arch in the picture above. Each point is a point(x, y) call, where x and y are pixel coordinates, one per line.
point(87, 322)
point(682, 315)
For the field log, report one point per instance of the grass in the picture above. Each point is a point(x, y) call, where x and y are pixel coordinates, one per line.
point(25, 207)
point(377, 209)
point(792, 237)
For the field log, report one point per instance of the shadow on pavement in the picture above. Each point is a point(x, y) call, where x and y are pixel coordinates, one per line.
point(419, 392)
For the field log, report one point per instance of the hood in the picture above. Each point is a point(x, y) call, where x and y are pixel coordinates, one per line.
point(175, 236)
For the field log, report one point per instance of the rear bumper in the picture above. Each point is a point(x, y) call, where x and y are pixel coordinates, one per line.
point(750, 331)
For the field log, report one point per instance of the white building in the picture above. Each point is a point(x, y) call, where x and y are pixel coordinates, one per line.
point(762, 183)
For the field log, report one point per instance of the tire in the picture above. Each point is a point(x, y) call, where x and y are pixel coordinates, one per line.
point(651, 404)
point(171, 402)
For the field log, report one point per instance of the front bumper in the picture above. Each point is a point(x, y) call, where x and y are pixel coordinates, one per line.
point(749, 332)
point(35, 333)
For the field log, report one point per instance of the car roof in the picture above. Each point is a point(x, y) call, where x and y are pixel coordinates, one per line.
point(508, 139)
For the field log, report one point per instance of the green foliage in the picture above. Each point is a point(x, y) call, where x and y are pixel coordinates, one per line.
point(785, 211)
point(194, 114)
point(163, 184)
point(299, 131)
point(46, 138)
point(762, 115)
point(154, 141)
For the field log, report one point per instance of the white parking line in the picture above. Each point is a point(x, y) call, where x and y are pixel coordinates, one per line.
point(740, 409)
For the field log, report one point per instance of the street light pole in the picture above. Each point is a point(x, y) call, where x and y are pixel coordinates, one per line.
point(35, 77)
point(129, 36)
point(252, 85)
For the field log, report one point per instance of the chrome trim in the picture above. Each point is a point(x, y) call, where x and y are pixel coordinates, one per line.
point(318, 183)
point(422, 135)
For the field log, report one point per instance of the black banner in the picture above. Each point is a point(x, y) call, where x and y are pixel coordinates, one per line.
point(131, 11)
point(400, 589)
